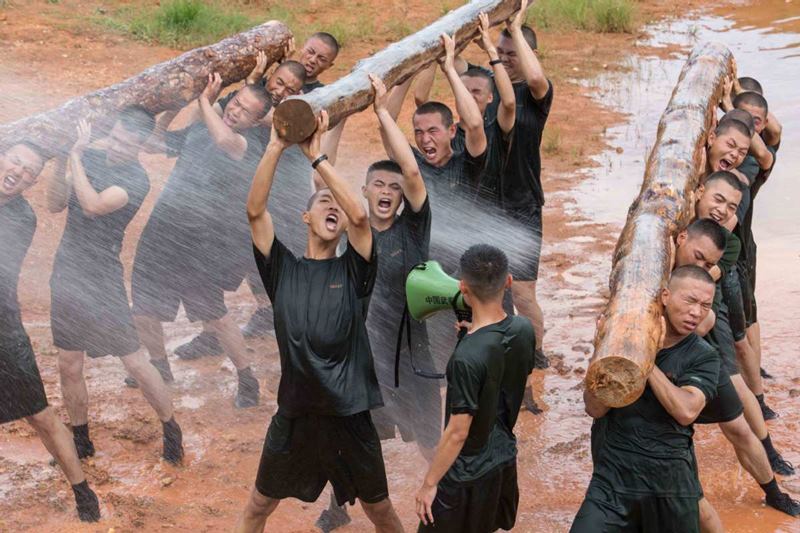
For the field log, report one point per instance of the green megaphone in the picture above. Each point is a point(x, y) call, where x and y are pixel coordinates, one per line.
point(430, 290)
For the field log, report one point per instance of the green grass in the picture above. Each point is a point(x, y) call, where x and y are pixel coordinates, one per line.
point(551, 140)
point(178, 23)
point(604, 16)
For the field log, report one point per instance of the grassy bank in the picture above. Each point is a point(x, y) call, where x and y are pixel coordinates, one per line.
point(604, 16)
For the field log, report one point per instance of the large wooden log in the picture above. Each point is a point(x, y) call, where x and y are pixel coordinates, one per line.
point(168, 85)
point(295, 117)
point(629, 331)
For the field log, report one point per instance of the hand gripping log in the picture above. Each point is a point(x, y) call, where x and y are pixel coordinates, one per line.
point(295, 118)
point(168, 85)
point(629, 331)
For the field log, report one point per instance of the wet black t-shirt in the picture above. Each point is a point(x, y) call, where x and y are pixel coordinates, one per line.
point(17, 226)
point(744, 230)
point(522, 189)
point(497, 146)
point(640, 448)
point(486, 378)
point(319, 308)
point(401, 247)
point(87, 239)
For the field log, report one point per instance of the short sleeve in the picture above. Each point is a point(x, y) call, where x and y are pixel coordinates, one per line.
point(541, 107)
point(703, 373)
point(464, 382)
point(270, 267)
point(733, 247)
point(418, 223)
point(360, 271)
point(749, 168)
point(175, 141)
point(137, 185)
point(474, 168)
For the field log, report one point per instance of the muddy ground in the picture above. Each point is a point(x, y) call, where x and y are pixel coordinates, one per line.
point(47, 54)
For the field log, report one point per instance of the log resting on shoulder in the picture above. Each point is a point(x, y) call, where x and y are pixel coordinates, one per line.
point(628, 334)
point(166, 86)
point(295, 117)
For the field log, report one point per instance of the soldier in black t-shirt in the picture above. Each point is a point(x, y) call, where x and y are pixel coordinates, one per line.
point(521, 193)
point(322, 431)
point(21, 391)
point(402, 241)
point(645, 472)
point(89, 310)
point(186, 254)
point(471, 485)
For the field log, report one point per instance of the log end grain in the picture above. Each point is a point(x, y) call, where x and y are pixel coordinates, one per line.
point(294, 120)
point(615, 380)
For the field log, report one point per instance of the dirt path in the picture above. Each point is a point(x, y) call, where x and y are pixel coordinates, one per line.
point(49, 57)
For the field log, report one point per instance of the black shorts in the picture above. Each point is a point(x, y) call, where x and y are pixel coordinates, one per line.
point(732, 293)
point(89, 310)
point(302, 454)
point(527, 268)
point(486, 504)
point(168, 271)
point(606, 511)
point(726, 406)
point(748, 299)
point(21, 390)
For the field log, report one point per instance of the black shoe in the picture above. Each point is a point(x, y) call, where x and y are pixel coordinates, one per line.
point(84, 447)
point(86, 503)
point(767, 411)
point(172, 442)
point(333, 518)
point(529, 404)
point(765, 374)
point(247, 393)
point(131, 382)
point(540, 360)
point(781, 466)
point(162, 365)
point(784, 503)
point(204, 344)
point(259, 324)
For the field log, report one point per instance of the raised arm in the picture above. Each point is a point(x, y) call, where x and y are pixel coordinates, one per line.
point(58, 187)
point(529, 64)
point(413, 184)
point(227, 140)
point(422, 89)
point(93, 203)
point(758, 149)
point(682, 403)
point(261, 228)
point(396, 97)
point(507, 109)
point(772, 132)
point(468, 112)
point(359, 232)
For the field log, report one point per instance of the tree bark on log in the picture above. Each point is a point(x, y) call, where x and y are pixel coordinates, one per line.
point(629, 332)
point(166, 86)
point(295, 117)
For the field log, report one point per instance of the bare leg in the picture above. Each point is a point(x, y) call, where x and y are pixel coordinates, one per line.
point(151, 333)
point(58, 440)
point(749, 450)
point(383, 516)
point(752, 411)
point(231, 339)
point(709, 519)
point(754, 336)
point(749, 365)
point(528, 306)
point(255, 514)
point(73, 386)
point(152, 385)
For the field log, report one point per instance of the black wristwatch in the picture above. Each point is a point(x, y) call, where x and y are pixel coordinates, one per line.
point(317, 161)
